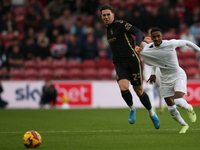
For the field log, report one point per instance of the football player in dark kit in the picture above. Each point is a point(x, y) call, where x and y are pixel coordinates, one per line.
point(127, 62)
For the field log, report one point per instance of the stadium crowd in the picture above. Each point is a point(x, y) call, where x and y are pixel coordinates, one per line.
point(65, 39)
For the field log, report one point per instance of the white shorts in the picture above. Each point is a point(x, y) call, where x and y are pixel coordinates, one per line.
point(169, 89)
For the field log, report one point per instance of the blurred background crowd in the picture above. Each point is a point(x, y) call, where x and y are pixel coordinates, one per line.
point(66, 39)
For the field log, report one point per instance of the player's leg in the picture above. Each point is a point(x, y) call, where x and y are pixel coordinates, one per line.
point(180, 89)
point(149, 88)
point(158, 84)
point(123, 78)
point(146, 103)
point(175, 114)
point(127, 96)
point(181, 102)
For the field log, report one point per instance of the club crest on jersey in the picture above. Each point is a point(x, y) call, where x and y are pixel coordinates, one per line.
point(128, 26)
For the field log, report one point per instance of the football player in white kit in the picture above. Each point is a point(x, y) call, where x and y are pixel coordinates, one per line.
point(149, 88)
point(162, 54)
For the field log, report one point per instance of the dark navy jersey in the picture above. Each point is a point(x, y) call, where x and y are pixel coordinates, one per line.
point(120, 39)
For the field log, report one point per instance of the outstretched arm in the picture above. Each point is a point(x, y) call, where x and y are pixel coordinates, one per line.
point(187, 43)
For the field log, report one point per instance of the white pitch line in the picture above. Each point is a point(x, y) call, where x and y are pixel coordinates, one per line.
point(100, 131)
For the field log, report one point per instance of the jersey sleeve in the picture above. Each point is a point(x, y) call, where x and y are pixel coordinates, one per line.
point(181, 43)
point(127, 27)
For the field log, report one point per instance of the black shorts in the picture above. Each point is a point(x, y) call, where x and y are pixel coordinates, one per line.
point(130, 69)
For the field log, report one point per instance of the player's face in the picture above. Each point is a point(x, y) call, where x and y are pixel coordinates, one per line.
point(107, 16)
point(156, 37)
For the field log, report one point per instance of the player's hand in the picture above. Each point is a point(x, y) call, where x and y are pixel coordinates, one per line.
point(138, 49)
point(148, 40)
point(152, 79)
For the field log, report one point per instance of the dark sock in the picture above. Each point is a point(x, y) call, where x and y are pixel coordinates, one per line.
point(127, 97)
point(144, 98)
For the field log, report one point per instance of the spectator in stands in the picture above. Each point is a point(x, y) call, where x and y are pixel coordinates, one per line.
point(67, 20)
point(98, 30)
point(30, 34)
point(90, 50)
point(4, 74)
point(3, 103)
point(191, 4)
point(31, 19)
point(55, 8)
point(74, 49)
point(49, 93)
point(181, 9)
point(78, 28)
point(9, 25)
point(15, 41)
point(138, 20)
point(3, 57)
point(154, 19)
point(164, 8)
point(97, 17)
point(15, 59)
point(186, 35)
point(195, 29)
point(172, 20)
point(35, 4)
point(122, 6)
point(90, 6)
point(59, 49)
point(121, 15)
point(42, 37)
point(139, 6)
point(29, 49)
point(5, 7)
point(46, 20)
point(43, 51)
point(191, 18)
point(56, 25)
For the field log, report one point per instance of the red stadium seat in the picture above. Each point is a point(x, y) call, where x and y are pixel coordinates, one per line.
point(104, 73)
point(59, 64)
point(31, 74)
point(74, 64)
point(30, 64)
point(60, 74)
point(88, 64)
point(17, 74)
point(45, 74)
point(189, 54)
point(75, 74)
point(192, 72)
point(191, 63)
point(182, 63)
point(44, 64)
point(90, 73)
point(103, 63)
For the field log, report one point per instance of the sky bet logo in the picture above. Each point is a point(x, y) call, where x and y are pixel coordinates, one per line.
point(26, 93)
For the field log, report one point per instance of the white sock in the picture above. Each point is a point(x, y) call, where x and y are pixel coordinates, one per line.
point(151, 112)
point(132, 107)
point(176, 115)
point(182, 103)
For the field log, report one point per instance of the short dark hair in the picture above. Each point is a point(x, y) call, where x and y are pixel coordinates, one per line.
point(106, 6)
point(155, 29)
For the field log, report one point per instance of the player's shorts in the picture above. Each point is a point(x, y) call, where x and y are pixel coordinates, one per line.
point(130, 69)
point(169, 89)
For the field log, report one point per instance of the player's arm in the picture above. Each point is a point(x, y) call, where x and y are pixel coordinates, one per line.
point(181, 43)
point(152, 78)
point(127, 27)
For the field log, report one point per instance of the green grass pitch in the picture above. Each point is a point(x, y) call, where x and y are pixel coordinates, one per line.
point(96, 129)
